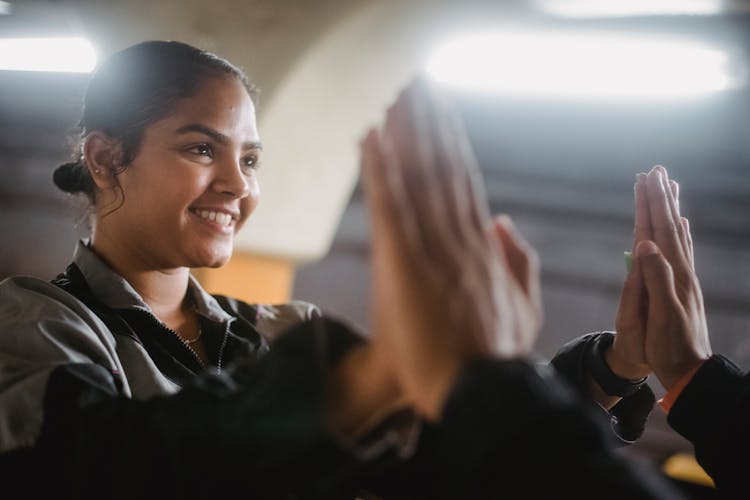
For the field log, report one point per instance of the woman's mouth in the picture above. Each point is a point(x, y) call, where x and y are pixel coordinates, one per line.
point(223, 220)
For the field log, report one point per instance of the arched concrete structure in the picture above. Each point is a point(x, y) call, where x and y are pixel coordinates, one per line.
point(318, 114)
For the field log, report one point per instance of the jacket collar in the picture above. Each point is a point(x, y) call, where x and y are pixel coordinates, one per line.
point(115, 292)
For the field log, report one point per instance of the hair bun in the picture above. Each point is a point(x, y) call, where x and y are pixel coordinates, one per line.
point(71, 177)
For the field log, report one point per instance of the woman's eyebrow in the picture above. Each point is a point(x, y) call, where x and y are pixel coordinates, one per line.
point(216, 135)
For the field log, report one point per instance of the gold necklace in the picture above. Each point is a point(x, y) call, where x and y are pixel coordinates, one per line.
point(197, 337)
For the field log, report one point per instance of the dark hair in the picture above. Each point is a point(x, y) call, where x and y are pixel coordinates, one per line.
point(133, 89)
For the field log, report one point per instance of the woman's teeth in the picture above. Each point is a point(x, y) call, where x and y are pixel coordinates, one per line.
point(219, 217)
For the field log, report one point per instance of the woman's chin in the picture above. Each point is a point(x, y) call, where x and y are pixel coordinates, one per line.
point(213, 257)
point(218, 263)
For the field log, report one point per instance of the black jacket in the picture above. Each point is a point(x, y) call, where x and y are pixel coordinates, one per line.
point(713, 412)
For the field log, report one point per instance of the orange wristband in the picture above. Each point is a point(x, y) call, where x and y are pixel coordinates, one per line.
point(672, 394)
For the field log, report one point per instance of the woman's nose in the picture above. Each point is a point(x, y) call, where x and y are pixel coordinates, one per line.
point(230, 180)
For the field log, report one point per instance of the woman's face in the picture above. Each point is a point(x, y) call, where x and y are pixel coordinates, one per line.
point(192, 184)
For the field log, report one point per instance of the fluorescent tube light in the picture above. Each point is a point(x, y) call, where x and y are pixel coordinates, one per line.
point(627, 8)
point(581, 66)
point(75, 55)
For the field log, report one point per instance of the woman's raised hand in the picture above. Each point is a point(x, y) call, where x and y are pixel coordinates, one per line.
point(449, 283)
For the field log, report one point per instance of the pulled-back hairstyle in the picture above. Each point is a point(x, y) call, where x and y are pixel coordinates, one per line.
point(133, 89)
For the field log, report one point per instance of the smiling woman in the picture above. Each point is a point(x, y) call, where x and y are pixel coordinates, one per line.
point(167, 159)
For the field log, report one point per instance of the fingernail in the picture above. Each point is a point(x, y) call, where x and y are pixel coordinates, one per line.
point(640, 177)
point(666, 183)
point(646, 248)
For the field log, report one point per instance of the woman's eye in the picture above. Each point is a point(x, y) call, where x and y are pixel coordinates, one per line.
point(250, 162)
point(202, 150)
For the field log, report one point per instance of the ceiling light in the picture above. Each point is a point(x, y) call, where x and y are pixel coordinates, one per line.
point(626, 8)
point(75, 55)
point(5, 8)
point(581, 66)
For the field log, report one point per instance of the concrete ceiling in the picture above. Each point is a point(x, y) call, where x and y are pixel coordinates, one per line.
point(265, 37)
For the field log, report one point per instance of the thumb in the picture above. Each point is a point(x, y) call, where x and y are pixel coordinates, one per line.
point(657, 275)
point(515, 250)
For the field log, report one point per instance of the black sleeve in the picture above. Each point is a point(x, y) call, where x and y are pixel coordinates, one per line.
point(261, 431)
point(514, 430)
point(713, 412)
point(628, 417)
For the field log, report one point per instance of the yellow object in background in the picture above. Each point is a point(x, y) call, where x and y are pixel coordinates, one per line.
point(250, 277)
point(684, 467)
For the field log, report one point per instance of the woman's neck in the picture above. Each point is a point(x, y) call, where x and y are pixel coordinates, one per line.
point(162, 289)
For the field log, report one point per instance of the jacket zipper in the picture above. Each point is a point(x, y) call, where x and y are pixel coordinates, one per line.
point(162, 325)
point(223, 345)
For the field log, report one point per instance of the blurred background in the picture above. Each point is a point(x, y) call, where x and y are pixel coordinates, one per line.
point(564, 102)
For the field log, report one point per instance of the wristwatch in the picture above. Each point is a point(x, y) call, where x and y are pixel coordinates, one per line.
point(600, 371)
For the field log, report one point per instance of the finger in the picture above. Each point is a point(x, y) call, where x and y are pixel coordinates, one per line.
point(672, 190)
point(524, 285)
point(682, 231)
point(522, 259)
point(689, 240)
point(658, 280)
point(386, 225)
point(642, 230)
point(675, 188)
point(663, 223)
point(527, 319)
point(374, 190)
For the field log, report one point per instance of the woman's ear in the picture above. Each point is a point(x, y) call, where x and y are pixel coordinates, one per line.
point(102, 156)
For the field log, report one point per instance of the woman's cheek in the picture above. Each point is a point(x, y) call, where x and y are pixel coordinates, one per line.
point(249, 203)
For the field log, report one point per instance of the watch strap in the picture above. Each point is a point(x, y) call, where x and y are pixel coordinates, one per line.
point(609, 381)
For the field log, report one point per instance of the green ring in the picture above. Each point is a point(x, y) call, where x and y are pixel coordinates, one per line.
point(628, 261)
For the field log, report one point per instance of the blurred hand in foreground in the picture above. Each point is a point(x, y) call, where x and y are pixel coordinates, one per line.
point(449, 282)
